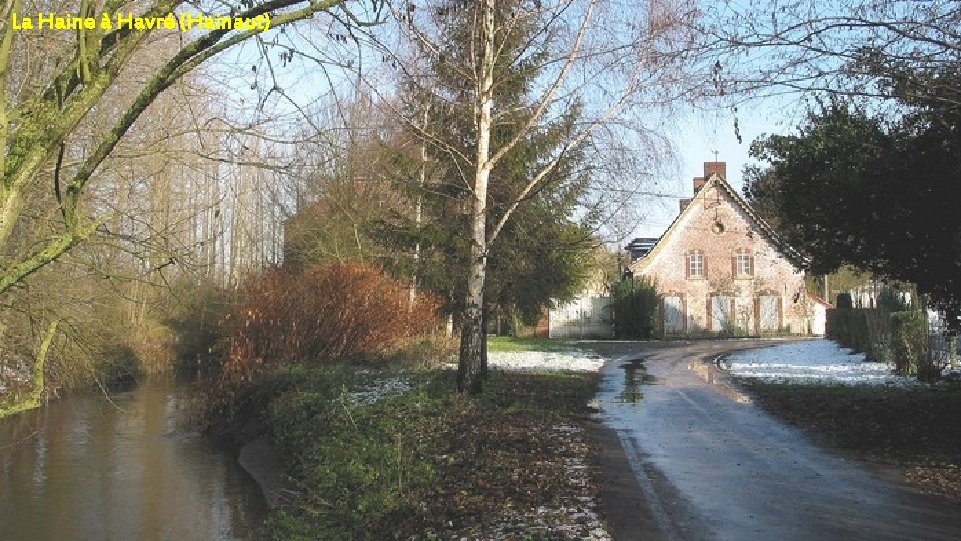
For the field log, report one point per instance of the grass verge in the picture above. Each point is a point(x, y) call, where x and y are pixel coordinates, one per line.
point(390, 454)
point(515, 343)
point(915, 429)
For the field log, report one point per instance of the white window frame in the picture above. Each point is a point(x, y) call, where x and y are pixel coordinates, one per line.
point(696, 265)
point(743, 263)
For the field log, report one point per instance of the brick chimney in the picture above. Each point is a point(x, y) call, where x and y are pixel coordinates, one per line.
point(698, 183)
point(715, 167)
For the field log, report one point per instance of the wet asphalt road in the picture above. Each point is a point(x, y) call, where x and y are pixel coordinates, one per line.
point(712, 465)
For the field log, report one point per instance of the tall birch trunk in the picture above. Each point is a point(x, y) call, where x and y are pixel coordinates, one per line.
point(472, 344)
point(419, 207)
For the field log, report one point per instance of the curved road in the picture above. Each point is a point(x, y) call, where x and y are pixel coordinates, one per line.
point(711, 465)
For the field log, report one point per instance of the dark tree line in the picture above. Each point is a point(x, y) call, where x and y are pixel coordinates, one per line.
point(875, 189)
point(870, 178)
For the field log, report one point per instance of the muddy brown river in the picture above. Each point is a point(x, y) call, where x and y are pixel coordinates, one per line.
point(124, 466)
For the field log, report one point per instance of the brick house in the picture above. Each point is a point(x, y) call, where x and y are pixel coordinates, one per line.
point(720, 268)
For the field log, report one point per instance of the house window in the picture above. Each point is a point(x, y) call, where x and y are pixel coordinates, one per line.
point(743, 263)
point(695, 264)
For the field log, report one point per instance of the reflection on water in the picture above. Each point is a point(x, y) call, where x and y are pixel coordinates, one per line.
point(86, 468)
point(635, 377)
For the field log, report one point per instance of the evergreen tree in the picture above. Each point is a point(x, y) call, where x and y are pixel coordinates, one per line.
point(515, 90)
point(542, 253)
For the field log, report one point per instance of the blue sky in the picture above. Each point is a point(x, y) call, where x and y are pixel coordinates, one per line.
point(696, 135)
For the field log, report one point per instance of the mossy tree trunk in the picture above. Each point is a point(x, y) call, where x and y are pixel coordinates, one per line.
point(35, 398)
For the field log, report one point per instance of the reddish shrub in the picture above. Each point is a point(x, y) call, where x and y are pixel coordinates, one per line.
point(321, 314)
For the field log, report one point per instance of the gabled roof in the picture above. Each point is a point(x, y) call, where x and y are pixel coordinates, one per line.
point(717, 181)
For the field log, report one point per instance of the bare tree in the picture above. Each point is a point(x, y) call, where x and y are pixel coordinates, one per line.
point(612, 61)
point(851, 47)
point(42, 116)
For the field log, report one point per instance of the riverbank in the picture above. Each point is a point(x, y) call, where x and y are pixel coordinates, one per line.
point(382, 451)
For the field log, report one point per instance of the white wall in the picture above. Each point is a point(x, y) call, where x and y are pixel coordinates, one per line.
point(819, 319)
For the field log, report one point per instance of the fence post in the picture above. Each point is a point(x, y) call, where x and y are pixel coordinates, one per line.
point(952, 340)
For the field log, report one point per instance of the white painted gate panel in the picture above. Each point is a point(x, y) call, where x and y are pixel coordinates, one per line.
point(673, 314)
point(584, 317)
point(721, 317)
point(768, 313)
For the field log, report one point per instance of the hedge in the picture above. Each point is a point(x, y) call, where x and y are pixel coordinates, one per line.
point(848, 327)
point(635, 302)
point(864, 330)
point(899, 336)
point(909, 342)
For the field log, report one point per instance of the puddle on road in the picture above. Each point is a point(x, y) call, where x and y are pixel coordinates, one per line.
point(702, 371)
point(635, 378)
point(708, 374)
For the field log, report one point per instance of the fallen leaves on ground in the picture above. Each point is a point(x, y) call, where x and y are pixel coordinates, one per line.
point(517, 476)
point(516, 465)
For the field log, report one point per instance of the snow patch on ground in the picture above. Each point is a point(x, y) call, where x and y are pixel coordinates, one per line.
point(577, 361)
point(811, 361)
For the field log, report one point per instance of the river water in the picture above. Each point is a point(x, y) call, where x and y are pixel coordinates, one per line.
point(127, 466)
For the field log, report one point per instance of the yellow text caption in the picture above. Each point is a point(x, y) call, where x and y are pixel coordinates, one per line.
point(128, 21)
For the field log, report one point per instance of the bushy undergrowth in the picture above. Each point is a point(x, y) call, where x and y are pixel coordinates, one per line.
point(325, 313)
point(196, 313)
point(425, 462)
point(319, 314)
